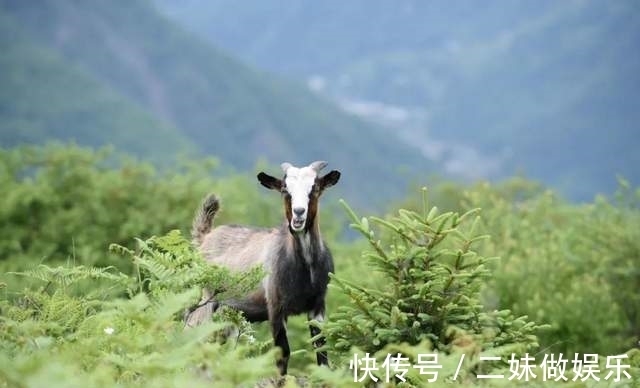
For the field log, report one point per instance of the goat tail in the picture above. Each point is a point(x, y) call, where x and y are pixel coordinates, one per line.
point(204, 218)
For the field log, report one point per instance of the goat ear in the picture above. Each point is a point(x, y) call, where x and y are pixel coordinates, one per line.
point(270, 182)
point(330, 179)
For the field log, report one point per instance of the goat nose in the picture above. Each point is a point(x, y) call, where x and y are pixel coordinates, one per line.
point(298, 211)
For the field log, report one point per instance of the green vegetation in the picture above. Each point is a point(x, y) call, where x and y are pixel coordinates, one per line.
point(52, 337)
point(97, 271)
point(432, 281)
point(43, 97)
point(96, 277)
point(61, 202)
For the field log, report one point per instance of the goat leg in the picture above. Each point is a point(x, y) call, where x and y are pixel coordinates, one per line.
point(279, 332)
point(318, 315)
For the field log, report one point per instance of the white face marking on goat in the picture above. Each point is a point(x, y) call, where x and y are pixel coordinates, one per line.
point(298, 184)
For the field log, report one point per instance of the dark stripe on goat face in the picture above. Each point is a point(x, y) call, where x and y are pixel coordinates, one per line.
point(313, 208)
point(287, 207)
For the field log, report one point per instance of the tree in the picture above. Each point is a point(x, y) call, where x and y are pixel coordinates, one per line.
point(430, 297)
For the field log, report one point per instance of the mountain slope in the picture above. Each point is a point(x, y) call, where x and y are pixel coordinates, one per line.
point(568, 111)
point(42, 97)
point(547, 88)
point(226, 108)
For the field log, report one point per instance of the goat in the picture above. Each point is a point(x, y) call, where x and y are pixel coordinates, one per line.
point(296, 260)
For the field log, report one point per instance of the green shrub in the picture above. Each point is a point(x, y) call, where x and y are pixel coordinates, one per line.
point(572, 266)
point(430, 292)
point(67, 204)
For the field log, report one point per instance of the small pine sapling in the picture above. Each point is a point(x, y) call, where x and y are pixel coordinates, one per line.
point(431, 279)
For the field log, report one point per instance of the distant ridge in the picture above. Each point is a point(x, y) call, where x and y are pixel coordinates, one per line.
point(546, 88)
point(44, 97)
point(169, 81)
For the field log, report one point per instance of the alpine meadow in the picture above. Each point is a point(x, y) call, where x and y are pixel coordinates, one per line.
point(148, 181)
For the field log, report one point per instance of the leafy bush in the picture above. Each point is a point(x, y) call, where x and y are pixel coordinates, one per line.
point(571, 266)
point(66, 203)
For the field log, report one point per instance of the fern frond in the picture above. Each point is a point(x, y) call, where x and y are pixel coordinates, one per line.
point(66, 276)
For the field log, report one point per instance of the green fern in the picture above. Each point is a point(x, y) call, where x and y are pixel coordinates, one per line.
point(136, 340)
point(65, 277)
point(169, 264)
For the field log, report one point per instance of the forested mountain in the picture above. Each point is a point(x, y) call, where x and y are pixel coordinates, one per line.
point(548, 88)
point(121, 73)
point(44, 97)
